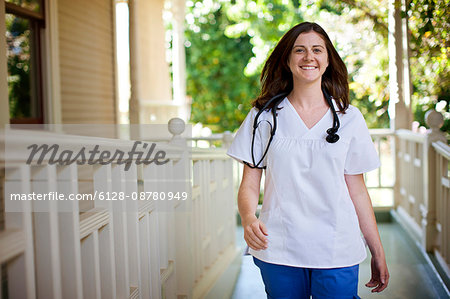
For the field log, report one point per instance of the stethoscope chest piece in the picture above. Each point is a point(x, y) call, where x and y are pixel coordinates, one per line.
point(332, 136)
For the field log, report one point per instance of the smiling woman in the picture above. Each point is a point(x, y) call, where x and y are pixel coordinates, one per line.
point(307, 240)
point(309, 59)
point(277, 76)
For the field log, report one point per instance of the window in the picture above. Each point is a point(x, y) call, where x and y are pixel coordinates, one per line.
point(24, 23)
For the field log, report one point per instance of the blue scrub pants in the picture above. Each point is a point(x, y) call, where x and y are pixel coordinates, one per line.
point(285, 282)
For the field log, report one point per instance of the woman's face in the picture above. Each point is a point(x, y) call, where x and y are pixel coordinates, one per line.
point(309, 58)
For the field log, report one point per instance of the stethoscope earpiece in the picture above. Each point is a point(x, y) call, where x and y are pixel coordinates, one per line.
point(331, 131)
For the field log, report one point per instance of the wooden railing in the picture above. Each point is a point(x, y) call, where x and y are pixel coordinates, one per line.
point(129, 249)
point(422, 187)
point(442, 189)
point(410, 179)
point(380, 182)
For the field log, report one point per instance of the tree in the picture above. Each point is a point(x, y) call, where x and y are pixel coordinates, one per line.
point(215, 69)
point(358, 29)
point(429, 26)
point(18, 56)
point(429, 44)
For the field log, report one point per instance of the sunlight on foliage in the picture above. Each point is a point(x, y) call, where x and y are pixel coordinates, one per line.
point(228, 42)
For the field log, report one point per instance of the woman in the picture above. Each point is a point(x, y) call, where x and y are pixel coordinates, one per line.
point(314, 148)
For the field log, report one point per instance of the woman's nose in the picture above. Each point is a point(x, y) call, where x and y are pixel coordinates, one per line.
point(308, 55)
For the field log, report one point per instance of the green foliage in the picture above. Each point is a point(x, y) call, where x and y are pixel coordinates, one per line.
point(231, 39)
point(215, 71)
point(429, 46)
point(362, 43)
point(264, 22)
point(18, 59)
point(355, 11)
point(429, 25)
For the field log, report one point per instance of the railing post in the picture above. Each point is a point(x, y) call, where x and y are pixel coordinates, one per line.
point(434, 120)
point(69, 233)
point(46, 235)
point(227, 139)
point(103, 240)
point(21, 270)
point(120, 233)
point(176, 128)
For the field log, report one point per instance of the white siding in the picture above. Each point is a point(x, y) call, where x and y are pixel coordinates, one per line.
point(86, 49)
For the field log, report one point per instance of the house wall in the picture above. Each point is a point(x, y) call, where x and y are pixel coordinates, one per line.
point(86, 61)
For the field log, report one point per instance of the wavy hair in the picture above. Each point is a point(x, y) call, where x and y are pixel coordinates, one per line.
point(276, 77)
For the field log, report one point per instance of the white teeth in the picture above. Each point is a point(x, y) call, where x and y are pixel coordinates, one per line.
point(308, 67)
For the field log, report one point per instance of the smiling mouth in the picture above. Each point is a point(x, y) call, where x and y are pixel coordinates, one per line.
point(308, 67)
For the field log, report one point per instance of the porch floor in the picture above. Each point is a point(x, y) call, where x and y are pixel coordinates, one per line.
point(411, 275)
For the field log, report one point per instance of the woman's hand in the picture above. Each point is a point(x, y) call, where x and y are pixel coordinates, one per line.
point(255, 233)
point(380, 274)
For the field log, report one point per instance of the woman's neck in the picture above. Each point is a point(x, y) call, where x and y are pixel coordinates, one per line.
point(307, 96)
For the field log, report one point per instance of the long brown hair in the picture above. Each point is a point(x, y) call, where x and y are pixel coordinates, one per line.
point(276, 77)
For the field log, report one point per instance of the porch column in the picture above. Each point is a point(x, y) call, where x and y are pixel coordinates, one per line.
point(149, 71)
point(399, 75)
point(406, 50)
point(4, 102)
point(399, 80)
point(179, 58)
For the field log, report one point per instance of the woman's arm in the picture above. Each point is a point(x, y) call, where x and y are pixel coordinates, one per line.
point(363, 206)
point(254, 230)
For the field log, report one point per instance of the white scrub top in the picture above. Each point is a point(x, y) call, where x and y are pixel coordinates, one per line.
point(307, 209)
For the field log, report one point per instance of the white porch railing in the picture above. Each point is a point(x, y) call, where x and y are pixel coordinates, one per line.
point(129, 250)
point(422, 190)
point(414, 173)
point(442, 194)
point(380, 182)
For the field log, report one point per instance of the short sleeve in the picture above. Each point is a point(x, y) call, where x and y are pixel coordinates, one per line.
point(241, 147)
point(361, 156)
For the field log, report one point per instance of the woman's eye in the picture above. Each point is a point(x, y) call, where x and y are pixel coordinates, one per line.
point(299, 50)
point(317, 50)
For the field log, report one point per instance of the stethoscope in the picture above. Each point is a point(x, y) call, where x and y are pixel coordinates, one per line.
point(332, 137)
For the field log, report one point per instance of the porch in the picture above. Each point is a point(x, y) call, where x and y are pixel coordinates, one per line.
point(412, 275)
point(188, 249)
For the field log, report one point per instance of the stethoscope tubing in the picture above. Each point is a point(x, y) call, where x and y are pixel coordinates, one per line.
point(332, 137)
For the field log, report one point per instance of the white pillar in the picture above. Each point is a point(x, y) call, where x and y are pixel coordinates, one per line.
point(179, 57)
point(399, 82)
point(51, 70)
point(407, 85)
point(134, 66)
point(149, 70)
